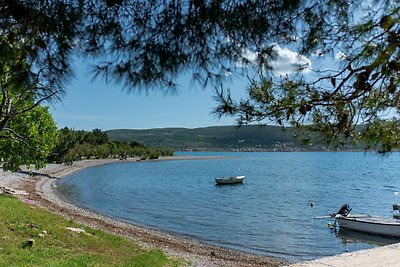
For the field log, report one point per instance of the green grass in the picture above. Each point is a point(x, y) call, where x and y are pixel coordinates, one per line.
point(58, 246)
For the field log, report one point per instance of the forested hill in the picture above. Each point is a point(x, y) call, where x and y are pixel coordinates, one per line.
point(245, 138)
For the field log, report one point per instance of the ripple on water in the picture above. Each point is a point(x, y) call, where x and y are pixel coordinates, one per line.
point(270, 214)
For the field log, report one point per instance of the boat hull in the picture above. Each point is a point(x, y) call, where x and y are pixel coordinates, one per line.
point(230, 180)
point(370, 224)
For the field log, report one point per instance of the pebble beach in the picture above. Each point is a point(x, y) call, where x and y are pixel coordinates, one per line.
point(39, 186)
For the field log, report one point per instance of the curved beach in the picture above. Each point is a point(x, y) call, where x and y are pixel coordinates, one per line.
point(42, 190)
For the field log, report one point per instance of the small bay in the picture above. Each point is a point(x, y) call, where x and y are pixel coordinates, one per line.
point(269, 214)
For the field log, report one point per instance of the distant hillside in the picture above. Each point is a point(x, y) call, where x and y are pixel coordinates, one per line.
point(246, 138)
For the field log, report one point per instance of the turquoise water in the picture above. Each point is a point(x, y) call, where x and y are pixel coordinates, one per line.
point(270, 214)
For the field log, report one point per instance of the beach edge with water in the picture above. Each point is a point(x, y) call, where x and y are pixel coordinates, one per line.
point(41, 188)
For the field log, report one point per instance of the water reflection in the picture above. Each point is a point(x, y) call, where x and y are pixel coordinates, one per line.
point(348, 236)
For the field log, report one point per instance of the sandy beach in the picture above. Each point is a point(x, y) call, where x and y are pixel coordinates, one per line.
point(41, 189)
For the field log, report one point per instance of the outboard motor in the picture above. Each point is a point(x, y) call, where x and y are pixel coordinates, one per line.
point(344, 210)
point(396, 211)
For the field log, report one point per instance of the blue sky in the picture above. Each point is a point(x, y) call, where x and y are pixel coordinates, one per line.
point(96, 104)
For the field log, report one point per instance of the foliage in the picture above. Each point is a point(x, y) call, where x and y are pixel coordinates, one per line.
point(76, 145)
point(363, 90)
point(56, 246)
point(29, 140)
point(66, 141)
point(149, 44)
point(97, 137)
point(27, 131)
point(42, 34)
point(144, 43)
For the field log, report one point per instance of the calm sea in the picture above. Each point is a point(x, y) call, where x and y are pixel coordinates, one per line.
point(270, 214)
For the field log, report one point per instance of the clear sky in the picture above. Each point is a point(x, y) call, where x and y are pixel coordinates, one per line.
point(96, 104)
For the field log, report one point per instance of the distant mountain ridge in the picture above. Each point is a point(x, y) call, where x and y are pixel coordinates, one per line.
point(216, 138)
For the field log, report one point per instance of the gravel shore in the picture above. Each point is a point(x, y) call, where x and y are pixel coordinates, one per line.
point(42, 190)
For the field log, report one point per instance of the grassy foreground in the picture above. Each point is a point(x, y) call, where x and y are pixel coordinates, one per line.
point(55, 245)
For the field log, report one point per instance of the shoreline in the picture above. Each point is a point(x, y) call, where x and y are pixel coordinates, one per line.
point(42, 190)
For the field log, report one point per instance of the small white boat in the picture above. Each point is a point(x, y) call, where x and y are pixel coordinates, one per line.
point(367, 223)
point(370, 224)
point(229, 180)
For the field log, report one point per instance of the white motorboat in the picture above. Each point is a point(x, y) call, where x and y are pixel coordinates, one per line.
point(229, 180)
point(370, 224)
point(367, 223)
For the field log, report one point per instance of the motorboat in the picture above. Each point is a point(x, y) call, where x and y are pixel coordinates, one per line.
point(229, 180)
point(370, 224)
point(367, 223)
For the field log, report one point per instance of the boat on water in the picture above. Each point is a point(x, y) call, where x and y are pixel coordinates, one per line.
point(229, 180)
point(370, 224)
point(367, 223)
